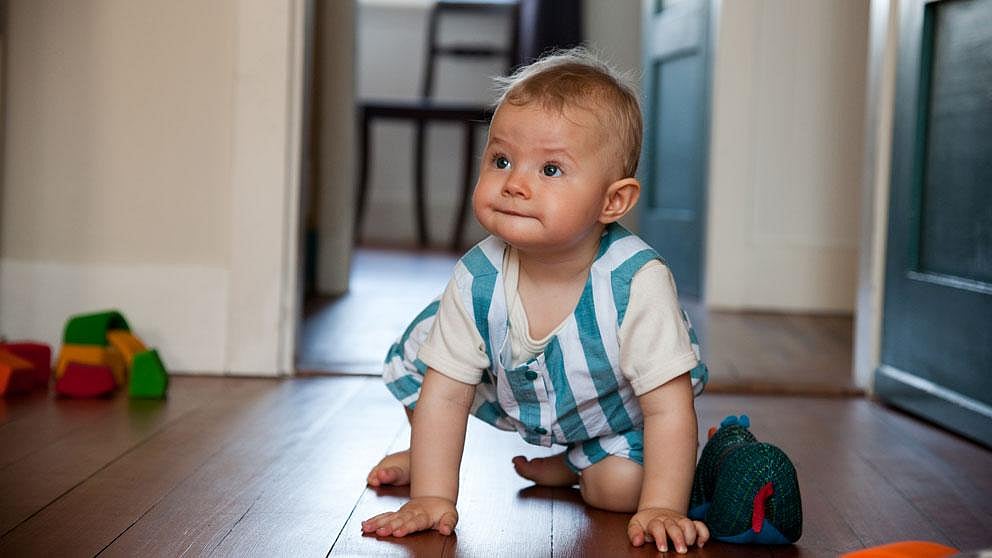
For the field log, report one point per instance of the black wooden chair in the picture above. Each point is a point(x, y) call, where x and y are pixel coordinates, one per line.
point(427, 109)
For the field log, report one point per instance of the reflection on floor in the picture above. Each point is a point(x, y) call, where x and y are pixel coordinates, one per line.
point(751, 352)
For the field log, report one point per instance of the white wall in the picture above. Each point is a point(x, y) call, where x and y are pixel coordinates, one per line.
point(786, 155)
point(150, 147)
point(391, 40)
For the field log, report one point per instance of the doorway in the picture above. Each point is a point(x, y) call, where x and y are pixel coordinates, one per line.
point(757, 335)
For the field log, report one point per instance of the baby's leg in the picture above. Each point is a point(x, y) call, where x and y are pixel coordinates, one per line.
point(394, 469)
point(546, 471)
point(612, 484)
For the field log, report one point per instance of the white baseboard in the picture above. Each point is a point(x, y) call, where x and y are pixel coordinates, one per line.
point(179, 309)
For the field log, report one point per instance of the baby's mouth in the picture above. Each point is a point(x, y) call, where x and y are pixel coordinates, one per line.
point(510, 212)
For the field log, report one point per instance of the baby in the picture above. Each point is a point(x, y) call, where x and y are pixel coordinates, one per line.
point(562, 325)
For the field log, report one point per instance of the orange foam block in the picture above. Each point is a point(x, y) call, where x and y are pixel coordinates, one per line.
point(126, 343)
point(16, 374)
point(904, 549)
point(85, 381)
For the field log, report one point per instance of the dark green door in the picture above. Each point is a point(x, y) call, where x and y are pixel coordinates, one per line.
point(676, 134)
point(937, 326)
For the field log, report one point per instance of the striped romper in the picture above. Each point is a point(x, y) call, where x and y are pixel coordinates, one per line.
point(572, 393)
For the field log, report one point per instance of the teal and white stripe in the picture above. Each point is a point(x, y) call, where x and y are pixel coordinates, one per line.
point(404, 372)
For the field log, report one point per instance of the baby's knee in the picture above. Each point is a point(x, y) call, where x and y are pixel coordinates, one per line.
point(613, 484)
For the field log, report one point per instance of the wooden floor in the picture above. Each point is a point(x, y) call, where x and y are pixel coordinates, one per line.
point(238, 467)
point(749, 352)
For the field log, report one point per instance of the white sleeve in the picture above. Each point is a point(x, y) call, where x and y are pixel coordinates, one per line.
point(454, 346)
point(654, 342)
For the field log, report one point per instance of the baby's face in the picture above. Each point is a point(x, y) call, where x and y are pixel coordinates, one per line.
point(543, 177)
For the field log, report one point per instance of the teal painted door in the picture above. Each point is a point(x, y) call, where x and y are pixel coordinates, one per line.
point(936, 356)
point(677, 53)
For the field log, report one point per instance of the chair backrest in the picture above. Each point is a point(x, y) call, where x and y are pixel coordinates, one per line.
point(509, 51)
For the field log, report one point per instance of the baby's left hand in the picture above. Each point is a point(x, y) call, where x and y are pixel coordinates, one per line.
point(660, 524)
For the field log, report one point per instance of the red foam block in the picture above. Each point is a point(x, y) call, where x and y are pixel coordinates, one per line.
point(38, 354)
point(85, 380)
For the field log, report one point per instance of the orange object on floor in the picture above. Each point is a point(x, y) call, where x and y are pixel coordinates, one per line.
point(905, 549)
point(38, 354)
point(16, 374)
point(126, 344)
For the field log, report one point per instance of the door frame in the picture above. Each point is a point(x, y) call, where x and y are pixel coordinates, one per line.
point(883, 55)
point(262, 292)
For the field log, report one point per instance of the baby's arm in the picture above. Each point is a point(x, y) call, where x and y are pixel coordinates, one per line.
point(436, 445)
point(669, 463)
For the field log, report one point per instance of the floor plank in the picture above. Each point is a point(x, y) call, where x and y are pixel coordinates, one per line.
point(272, 443)
point(42, 476)
point(315, 487)
point(14, 407)
point(96, 510)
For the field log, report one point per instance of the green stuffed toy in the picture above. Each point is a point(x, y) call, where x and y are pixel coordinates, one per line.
point(746, 491)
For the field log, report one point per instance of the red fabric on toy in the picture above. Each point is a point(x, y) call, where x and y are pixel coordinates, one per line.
point(85, 380)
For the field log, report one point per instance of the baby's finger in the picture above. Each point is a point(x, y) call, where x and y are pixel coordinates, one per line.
point(413, 523)
point(702, 533)
point(658, 532)
point(447, 523)
point(675, 533)
point(689, 530)
point(399, 520)
point(373, 523)
point(635, 533)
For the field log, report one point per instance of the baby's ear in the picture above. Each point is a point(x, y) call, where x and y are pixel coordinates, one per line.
point(620, 198)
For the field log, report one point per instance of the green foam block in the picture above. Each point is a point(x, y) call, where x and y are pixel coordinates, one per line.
point(149, 380)
point(91, 329)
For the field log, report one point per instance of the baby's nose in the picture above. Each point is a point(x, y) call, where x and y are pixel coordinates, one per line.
point(516, 186)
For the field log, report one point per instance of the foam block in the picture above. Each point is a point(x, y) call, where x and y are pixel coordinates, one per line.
point(149, 380)
point(126, 343)
point(16, 374)
point(94, 355)
point(91, 329)
point(38, 354)
point(85, 381)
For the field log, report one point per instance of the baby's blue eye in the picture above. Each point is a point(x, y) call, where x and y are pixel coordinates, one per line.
point(551, 170)
point(501, 162)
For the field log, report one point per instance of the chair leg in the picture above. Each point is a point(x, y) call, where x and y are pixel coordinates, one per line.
point(468, 155)
point(420, 191)
point(361, 195)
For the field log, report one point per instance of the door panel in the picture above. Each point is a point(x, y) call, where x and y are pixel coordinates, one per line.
point(676, 135)
point(937, 324)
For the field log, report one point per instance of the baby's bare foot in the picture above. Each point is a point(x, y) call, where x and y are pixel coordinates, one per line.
point(394, 469)
point(546, 471)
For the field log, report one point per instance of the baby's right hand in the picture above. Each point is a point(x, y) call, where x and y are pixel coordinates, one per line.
point(425, 512)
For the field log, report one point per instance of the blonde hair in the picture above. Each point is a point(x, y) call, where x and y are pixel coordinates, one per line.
point(577, 78)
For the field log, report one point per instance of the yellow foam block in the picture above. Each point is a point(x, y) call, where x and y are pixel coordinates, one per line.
point(126, 343)
point(95, 355)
